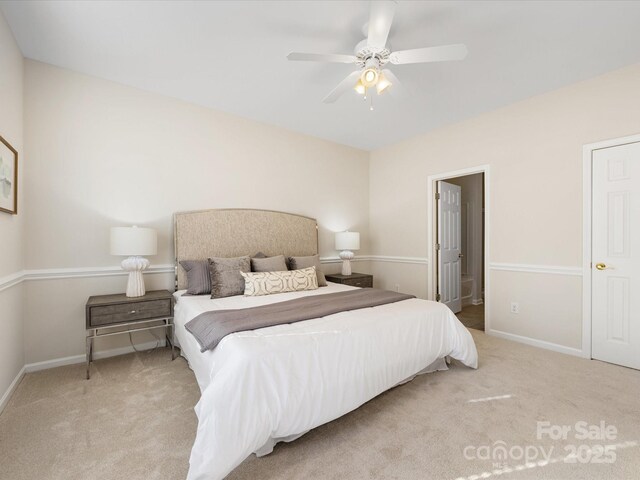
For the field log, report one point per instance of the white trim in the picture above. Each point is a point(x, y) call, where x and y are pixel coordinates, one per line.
point(60, 362)
point(327, 260)
point(537, 343)
point(586, 250)
point(431, 241)
point(549, 269)
point(11, 280)
point(56, 362)
point(81, 272)
point(391, 259)
point(379, 258)
point(78, 272)
point(7, 395)
point(84, 272)
point(587, 168)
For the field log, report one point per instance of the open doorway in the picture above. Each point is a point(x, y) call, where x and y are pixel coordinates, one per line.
point(459, 244)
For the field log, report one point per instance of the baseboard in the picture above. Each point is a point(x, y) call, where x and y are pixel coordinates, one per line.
point(477, 302)
point(576, 352)
point(7, 395)
point(97, 355)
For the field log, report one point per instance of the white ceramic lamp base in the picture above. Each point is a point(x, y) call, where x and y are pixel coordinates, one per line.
point(346, 256)
point(135, 266)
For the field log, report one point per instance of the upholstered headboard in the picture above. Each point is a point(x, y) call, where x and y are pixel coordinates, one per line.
point(236, 232)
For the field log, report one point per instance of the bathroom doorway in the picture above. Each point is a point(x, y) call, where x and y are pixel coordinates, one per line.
point(459, 245)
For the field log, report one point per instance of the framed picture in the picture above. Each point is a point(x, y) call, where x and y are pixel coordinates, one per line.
point(8, 178)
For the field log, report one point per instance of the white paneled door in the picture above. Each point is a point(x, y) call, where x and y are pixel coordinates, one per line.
point(615, 272)
point(449, 237)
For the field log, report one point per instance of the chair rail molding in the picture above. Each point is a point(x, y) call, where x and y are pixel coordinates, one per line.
point(79, 272)
point(11, 280)
point(16, 278)
point(379, 258)
point(527, 268)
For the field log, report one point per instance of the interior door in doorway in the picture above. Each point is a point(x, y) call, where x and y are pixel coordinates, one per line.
point(615, 255)
point(449, 238)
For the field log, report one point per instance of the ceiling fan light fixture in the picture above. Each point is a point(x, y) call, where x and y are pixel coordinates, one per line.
point(360, 88)
point(369, 77)
point(383, 84)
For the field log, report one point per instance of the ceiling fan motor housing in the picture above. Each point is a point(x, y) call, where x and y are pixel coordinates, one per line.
point(365, 53)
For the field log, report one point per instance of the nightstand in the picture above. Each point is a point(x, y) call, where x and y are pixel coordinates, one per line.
point(117, 314)
point(363, 280)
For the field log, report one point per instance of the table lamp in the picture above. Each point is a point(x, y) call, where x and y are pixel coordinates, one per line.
point(134, 242)
point(346, 242)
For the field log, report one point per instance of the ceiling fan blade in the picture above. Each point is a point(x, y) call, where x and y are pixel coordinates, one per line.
point(342, 87)
point(380, 20)
point(444, 53)
point(321, 57)
point(396, 87)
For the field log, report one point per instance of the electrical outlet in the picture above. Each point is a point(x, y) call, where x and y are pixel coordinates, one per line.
point(515, 307)
point(397, 287)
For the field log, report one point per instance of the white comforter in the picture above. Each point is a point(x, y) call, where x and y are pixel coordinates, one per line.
point(279, 382)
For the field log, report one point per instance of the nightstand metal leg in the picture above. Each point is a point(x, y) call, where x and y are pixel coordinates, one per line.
point(89, 355)
point(171, 338)
point(173, 342)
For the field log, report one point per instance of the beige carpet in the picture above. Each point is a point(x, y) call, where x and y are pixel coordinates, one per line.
point(134, 420)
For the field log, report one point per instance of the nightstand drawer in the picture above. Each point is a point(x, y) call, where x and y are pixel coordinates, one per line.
point(359, 282)
point(128, 312)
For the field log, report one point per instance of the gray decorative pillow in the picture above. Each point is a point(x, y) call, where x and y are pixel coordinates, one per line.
point(298, 263)
point(198, 278)
point(267, 283)
point(226, 280)
point(268, 264)
point(259, 255)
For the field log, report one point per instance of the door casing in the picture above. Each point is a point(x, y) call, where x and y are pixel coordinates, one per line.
point(432, 279)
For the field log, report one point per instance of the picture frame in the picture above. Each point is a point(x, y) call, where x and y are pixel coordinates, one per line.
point(8, 178)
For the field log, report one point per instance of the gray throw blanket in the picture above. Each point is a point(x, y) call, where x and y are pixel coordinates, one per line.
point(210, 328)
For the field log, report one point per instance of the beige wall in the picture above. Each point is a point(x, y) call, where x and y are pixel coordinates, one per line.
point(534, 149)
point(11, 226)
point(102, 154)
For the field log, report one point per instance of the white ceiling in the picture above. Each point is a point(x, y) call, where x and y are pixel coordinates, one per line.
point(231, 56)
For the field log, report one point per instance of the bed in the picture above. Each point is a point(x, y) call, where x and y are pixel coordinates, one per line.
point(275, 384)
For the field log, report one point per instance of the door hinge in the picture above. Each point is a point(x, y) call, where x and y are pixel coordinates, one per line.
point(437, 297)
point(437, 196)
point(437, 246)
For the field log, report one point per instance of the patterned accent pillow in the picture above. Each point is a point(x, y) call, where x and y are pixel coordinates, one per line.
point(266, 283)
point(198, 277)
point(226, 280)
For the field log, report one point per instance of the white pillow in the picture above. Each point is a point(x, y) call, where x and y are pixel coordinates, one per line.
point(266, 283)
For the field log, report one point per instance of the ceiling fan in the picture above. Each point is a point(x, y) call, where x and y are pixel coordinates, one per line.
point(373, 53)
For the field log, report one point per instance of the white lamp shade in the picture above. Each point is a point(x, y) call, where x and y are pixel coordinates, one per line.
point(347, 241)
point(132, 241)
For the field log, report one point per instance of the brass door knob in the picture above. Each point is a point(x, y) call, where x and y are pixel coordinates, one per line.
point(601, 266)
